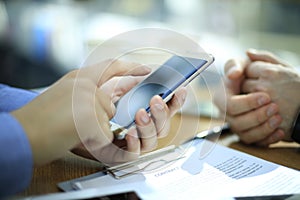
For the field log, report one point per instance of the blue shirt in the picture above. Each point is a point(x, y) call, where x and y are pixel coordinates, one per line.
point(16, 163)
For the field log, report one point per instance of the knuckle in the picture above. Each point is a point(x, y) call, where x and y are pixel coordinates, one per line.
point(111, 60)
point(251, 102)
point(72, 74)
point(111, 63)
point(260, 116)
point(230, 63)
point(146, 132)
point(266, 129)
point(150, 146)
point(234, 126)
point(269, 54)
point(270, 72)
point(231, 108)
point(245, 138)
point(250, 136)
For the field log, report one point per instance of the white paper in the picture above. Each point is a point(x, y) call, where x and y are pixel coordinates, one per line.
point(215, 172)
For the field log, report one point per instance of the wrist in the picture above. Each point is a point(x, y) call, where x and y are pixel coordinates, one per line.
point(296, 128)
point(28, 127)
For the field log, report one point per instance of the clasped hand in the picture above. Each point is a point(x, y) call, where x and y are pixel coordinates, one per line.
point(262, 98)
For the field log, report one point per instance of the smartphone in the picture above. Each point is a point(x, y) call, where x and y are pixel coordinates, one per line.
point(175, 73)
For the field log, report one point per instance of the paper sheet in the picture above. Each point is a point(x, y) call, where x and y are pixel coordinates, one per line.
point(221, 173)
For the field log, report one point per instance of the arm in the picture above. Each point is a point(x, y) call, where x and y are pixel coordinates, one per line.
point(15, 151)
point(76, 110)
point(15, 156)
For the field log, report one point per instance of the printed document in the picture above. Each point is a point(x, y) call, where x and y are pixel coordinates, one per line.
point(203, 169)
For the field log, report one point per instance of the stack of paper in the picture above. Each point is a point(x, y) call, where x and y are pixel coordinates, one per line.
point(198, 170)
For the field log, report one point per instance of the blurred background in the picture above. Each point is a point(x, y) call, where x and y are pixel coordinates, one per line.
point(42, 40)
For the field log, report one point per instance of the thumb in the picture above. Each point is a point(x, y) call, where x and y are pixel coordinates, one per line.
point(265, 56)
point(235, 75)
point(103, 71)
point(234, 69)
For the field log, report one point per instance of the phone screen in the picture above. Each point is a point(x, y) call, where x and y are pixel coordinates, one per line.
point(163, 81)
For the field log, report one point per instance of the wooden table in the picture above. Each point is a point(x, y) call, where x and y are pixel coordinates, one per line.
point(183, 127)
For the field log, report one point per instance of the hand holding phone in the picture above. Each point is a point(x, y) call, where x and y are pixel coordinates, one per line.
point(175, 73)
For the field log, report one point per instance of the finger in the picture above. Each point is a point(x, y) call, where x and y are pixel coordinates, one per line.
point(275, 137)
point(118, 151)
point(102, 72)
point(100, 131)
point(160, 116)
point(112, 154)
point(106, 103)
point(120, 68)
point(80, 150)
point(234, 69)
point(133, 142)
point(253, 85)
point(124, 84)
point(234, 75)
point(261, 132)
point(253, 118)
point(260, 55)
point(177, 101)
point(260, 69)
point(146, 130)
point(238, 104)
point(127, 149)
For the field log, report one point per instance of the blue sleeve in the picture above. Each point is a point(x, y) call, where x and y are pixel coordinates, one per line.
point(13, 98)
point(16, 163)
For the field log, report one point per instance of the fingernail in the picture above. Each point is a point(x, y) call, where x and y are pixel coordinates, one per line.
point(280, 134)
point(158, 107)
point(274, 123)
point(233, 70)
point(145, 118)
point(183, 97)
point(146, 68)
point(262, 100)
point(271, 110)
point(254, 51)
point(277, 136)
